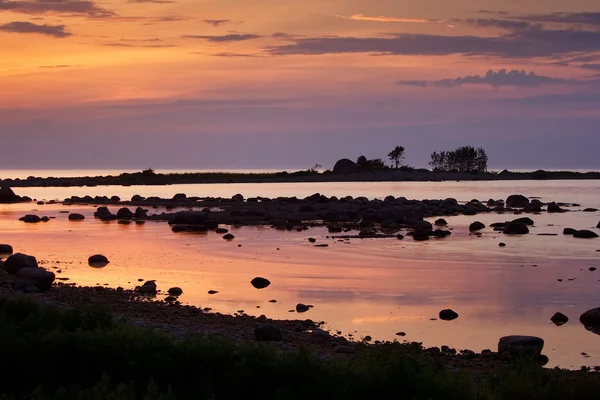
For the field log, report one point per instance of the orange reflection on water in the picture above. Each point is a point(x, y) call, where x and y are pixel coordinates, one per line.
point(363, 287)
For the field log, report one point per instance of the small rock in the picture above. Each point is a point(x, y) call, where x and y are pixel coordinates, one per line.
point(448, 315)
point(221, 230)
point(148, 287)
point(440, 222)
point(559, 319)
point(214, 292)
point(76, 217)
point(98, 260)
point(175, 291)
point(260, 283)
point(321, 245)
point(400, 333)
point(301, 308)
point(228, 236)
point(502, 244)
point(312, 240)
point(6, 249)
point(476, 226)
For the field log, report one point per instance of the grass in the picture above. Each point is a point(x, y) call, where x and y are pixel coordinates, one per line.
point(85, 354)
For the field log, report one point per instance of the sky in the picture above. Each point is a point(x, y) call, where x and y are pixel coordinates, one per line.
point(294, 83)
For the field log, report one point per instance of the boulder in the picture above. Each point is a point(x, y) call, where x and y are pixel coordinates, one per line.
point(591, 319)
point(569, 231)
point(76, 217)
point(175, 291)
point(140, 213)
point(476, 226)
point(37, 277)
point(302, 308)
point(555, 208)
point(6, 249)
point(525, 220)
point(237, 197)
point(45, 219)
point(115, 198)
point(189, 218)
point(521, 345)
point(98, 260)
point(440, 222)
point(559, 319)
point(136, 198)
point(515, 229)
point(516, 201)
point(590, 209)
point(18, 261)
point(598, 226)
point(260, 283)
point(421, 235)
point(221, 230)
point(268, 333)
point(30, 219)
point(124, 213)
point(228, 236)
point(345, 166)
point(149, 287)
point(448, 315)
point(585, 234)
point(7, 196)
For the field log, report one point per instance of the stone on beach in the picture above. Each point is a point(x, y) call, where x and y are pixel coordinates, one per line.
point(260, 283)
point(148, 287)
point(448, 315)
point(521, 345)
point(37, 277)
point(18, 261)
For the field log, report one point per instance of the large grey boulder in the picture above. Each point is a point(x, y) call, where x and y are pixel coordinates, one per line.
point(37, 277)
point(19, 261)
point(521, 345)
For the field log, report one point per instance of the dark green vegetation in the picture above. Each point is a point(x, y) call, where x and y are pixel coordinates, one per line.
point(48, 353)
point(463, 159)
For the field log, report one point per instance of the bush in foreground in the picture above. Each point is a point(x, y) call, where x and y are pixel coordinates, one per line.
point(84, 354)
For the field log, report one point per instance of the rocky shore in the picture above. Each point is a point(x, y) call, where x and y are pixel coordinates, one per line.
point(416, 175)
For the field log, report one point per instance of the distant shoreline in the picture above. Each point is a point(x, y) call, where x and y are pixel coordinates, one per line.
point(418, 175)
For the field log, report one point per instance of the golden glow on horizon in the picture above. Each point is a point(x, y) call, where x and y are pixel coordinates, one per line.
point(362, 17)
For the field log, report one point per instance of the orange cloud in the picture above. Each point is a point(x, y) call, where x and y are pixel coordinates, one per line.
point(362, 17)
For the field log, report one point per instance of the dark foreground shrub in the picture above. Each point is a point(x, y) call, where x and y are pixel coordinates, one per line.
point(83, 354)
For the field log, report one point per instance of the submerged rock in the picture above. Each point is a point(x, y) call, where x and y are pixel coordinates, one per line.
point(559, 319)
point(515, 229)
point(585, 234)
point(517, 200)
point(476, 226)
point(448, 315)
point(260, 283)
point(302, 308)
point(175, 291)
point(521, 345)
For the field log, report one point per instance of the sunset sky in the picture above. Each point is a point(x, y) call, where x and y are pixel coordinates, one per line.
point(291, 83)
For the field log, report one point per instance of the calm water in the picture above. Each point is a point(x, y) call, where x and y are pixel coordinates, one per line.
point(364, 287)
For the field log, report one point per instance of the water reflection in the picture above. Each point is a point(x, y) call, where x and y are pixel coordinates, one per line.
point(373, 287)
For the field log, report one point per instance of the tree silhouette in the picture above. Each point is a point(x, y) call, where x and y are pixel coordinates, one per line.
point(463, 159)
point(397, 156)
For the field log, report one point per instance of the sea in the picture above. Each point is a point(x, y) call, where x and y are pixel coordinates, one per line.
point(360, 287)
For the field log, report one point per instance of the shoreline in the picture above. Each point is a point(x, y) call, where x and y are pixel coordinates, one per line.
point(417, 175)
